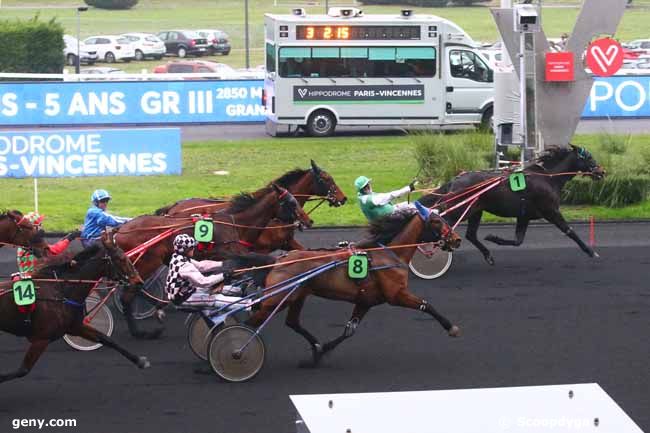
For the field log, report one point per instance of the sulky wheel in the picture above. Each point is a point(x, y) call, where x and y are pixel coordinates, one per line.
point(431, 266)
point(227, 359)
point(197, 334)
point(99, 318)
point(142, 306)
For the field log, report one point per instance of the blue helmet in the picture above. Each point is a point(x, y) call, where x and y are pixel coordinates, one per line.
point(99, 195)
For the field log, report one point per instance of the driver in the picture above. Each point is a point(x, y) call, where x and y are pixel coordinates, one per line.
point(97, 219)
point(186, 285)
point(376, 205)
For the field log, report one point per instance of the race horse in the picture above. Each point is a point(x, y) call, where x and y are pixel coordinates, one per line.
point(18, 231)
point(544, 179)
point(235, 230)
point(301, 183)
point(60, 302)
point(393, 242)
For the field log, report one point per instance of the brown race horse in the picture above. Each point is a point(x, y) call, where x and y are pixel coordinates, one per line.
point(545, 177)
point(388, 282)
point(240, 222)
point(301, 183)
point(59, 304)
point(15, 230)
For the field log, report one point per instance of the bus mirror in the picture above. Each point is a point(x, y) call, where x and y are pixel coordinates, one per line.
point(299, 12)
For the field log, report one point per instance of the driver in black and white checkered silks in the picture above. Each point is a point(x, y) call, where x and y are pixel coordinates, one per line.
point(187, 285)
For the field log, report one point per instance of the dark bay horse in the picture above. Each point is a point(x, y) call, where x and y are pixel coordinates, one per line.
point(234, 228)
point(302, 183)
point(545, 177)
point(59, 304)
point(16, 230)
point(389, 284)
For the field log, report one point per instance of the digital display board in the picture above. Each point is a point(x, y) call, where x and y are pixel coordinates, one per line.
point(338, 33)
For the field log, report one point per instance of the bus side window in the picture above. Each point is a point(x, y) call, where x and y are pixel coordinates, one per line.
point(466, 64)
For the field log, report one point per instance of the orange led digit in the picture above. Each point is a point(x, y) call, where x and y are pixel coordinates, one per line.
point(327, 33)
point(310, 33)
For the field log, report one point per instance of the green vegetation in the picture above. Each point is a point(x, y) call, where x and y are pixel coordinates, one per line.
point(31, 46)
point(156, 15)
point(389, 161)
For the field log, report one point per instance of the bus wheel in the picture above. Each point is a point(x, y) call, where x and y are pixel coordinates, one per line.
point(321, 124)
point(487, 120)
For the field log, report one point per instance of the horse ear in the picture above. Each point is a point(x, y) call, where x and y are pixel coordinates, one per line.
point(276, 188)
point(315, 167)
point(423, 211)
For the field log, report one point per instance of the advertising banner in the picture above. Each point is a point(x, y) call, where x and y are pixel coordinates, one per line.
point(619, 96)
point(104, 152)
point(387, 94)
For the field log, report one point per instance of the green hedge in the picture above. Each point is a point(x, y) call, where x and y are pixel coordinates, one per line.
point(613, 191)
point(31, 46)
point(112, 4)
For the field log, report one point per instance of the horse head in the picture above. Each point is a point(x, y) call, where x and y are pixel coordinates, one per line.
point(121, 266)
point(585, 162)
point(16, 229)
point(437, 228)
point(325, 186)
point(290, 210)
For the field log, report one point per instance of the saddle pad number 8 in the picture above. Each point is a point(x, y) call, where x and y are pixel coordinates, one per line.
point(24, 292)
point(203, 230)
point(358, 266)
point(517, 181)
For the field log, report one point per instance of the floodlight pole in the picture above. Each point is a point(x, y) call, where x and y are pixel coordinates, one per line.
point(248, 60)
point(78, 59)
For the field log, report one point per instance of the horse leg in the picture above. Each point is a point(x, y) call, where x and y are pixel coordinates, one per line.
point(554, 216)
point(293, 322)
point(409, 300)
point(91, 334)
point(359, 311)
point(34, 352)
point(473, 222)
point(520, 234)
point(128, 295)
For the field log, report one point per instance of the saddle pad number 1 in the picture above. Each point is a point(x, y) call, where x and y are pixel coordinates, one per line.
point(517, 181)
point(24, 292)
point(203, 230)
point(358, 267)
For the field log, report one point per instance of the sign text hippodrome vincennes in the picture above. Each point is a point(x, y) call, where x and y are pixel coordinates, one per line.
point(404, 93)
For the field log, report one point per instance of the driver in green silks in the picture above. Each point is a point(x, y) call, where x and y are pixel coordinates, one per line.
point(375, 205)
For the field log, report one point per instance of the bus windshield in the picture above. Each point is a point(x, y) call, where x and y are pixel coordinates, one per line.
point(357, 62)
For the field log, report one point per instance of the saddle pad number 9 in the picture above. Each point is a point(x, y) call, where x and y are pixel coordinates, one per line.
point(517, 181)
point(24, 292)
point(203, 230)
point(358, 267)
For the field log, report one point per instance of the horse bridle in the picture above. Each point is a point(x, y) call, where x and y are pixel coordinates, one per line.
point(285, 202)
point(320, 185)
point(20, 227)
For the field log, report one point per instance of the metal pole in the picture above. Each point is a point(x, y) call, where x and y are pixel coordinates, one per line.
point(78, 60)
point(248, 60)
point(36, 195)
point(327, 6)
point(522, 97)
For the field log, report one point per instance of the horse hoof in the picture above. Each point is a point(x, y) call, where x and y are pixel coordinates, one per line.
point(143, 362)
point(454, 331)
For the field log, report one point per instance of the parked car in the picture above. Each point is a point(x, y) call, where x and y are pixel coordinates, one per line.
point(184, 42)
point(111, 48)
point(146, 45)
point(86, 55)
point(196, 66)
point(101, 73)
point(218, 41)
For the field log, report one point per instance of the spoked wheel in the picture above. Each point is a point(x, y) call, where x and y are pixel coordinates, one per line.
point(102, 320)
point(197, 334)
point(227, 359)
point(142, 306)
point(430, 263)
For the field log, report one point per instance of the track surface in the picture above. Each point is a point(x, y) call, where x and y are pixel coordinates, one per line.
point(546, 314)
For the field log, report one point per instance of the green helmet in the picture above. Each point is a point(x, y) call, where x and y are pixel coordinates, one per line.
point(361, 182)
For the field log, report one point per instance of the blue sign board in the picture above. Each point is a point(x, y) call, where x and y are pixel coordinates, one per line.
point(101, 152)
point(619, 96)
point(131, 102)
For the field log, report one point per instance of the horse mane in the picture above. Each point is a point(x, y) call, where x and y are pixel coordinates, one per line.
point(165, 209)
point(385, 229)
point(245, 200)
point(63, 263)
point(4, 213)
point(552, 154)
point(290, 177)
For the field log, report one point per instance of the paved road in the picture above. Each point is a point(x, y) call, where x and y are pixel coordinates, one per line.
point(546, 314)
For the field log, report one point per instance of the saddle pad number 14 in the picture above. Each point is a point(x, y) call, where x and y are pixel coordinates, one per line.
point(24, 292)
point(203, 230)
point(517, 181)
point(358, 267)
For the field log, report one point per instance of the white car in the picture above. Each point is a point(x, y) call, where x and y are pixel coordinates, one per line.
point(146, 45)
point(86, 55)
point(111, 48)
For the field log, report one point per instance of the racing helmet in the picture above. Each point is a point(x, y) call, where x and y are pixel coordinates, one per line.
point(99, 195)
point(361, 182)
point(184, 243)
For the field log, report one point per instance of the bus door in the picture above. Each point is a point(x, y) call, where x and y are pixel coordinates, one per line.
point(469, 84)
